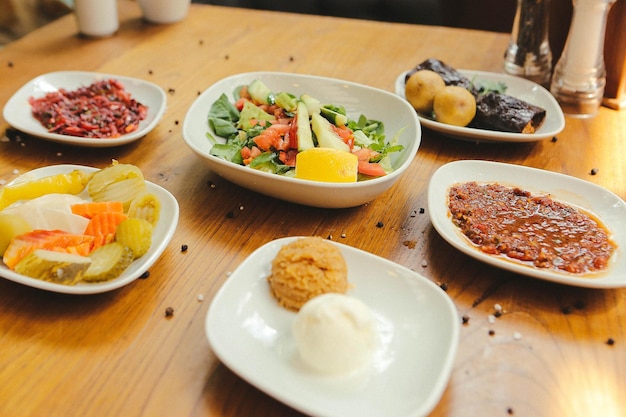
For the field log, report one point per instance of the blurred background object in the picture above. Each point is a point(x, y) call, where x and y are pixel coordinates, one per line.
point(96, 18)
point(615, 57)
point(18, 17)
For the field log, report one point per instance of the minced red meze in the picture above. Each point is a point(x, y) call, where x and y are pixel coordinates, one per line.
point(536, 230)
point(103, 109)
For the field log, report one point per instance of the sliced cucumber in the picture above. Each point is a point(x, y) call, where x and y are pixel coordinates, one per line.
point(125, 190)
point(108, 262)
point(333, 116)
point(286, 101)
point(326, 137)
point(146, 206)
point(135, 233)
point(58, 267)
point(117, 182)
point(305, 136)
point(313, 105)
point(112, 174)
point(260, 92)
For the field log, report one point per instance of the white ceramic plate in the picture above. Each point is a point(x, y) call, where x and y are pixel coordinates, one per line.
point(419, 332)
point(606, 206)
point(395, 113)
point(17, 111)
point(161, 236)
point(520, 88)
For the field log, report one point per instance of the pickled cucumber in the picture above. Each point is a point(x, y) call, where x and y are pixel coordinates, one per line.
point(146, 206)
point(58, 267)
point(135, 233)
point(117, 182)
point(108, 262)
point(124, 191)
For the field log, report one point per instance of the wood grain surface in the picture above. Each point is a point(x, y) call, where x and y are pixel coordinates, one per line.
point(116, 354)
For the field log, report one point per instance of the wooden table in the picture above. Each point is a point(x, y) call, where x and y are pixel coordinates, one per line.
point(116, 354)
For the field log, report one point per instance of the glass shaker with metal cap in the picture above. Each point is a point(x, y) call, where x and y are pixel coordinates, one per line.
point(580, 74)
point(528, 54)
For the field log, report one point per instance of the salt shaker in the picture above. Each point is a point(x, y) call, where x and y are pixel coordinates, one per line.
point(580, 76)
point(528, 54)
point(96, 18)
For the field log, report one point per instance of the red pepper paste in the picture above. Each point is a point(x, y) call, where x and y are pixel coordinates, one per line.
point(536, 230)
point(101, 110)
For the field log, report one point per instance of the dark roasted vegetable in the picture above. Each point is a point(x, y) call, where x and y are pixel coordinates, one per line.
point(508, 114)
point(450, 75)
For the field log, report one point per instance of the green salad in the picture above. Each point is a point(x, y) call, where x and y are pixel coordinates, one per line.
point(265, 130)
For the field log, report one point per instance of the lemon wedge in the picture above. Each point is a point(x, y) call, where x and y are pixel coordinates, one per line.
point(326, 165)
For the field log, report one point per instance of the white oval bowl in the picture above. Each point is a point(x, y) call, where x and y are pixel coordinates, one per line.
point(396, 114)
point(517, 87)
point(603, 204)
point(18, 112)
point(161, 237)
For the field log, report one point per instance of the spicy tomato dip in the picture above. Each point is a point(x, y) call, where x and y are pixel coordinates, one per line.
point(103, 109)
point(536, 230)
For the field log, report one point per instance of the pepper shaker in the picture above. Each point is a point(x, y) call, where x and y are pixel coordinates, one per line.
point(528, 54)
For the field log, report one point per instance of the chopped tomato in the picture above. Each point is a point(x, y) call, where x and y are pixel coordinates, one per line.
point(371, 169)
point(345, 133)
point(365, 154)
point(283, 120)
point(365, 167)
point(273, 138)
point(245, 154)
point(288, 157)
point(243, 93)
point(254, 122)
point(239, 103)
point(292, 134)
point(248, 154)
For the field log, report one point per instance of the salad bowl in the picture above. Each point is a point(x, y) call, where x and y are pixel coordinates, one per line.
point(397, 115)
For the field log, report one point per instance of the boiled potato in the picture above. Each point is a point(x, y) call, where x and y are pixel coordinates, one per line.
point(421, 88)
point(455, 106)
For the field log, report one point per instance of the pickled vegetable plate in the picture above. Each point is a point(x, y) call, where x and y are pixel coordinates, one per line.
point(397, 115)
point(17, 111)
point(520, 88)
point(162, 235)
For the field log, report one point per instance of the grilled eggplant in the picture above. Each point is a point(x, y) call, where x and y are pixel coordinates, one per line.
point(506, 113)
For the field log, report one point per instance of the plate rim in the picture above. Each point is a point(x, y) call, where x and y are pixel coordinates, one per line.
point(220, 347)
point(10, 112)
point(484, 135)
point(470, 170)
point(96, 288)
